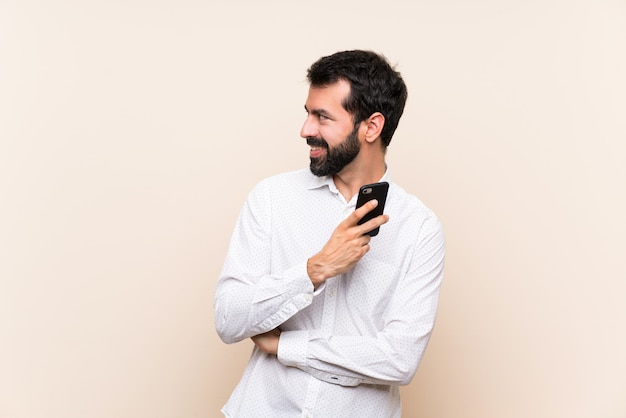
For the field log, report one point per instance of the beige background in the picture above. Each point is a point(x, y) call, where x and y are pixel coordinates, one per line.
point(131, 132)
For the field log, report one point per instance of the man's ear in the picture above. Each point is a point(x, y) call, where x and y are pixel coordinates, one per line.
point(374, 126)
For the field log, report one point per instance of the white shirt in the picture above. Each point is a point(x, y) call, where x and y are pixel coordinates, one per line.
point(346, 347)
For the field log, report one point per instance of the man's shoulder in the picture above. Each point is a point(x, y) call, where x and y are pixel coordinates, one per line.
point(295, 178)
point(285, 181)
point(302, 175)
point(410, 204)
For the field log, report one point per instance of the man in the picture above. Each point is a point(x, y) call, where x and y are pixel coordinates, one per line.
point(339, 319)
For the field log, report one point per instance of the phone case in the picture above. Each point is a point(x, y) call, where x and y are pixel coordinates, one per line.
point(368, 192)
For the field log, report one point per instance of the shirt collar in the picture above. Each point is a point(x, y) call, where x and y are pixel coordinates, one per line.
point(318, 182)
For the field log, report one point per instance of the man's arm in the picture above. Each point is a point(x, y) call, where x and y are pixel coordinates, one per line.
point(393, 355)
point(250, 299)
point(268, 341)
point(347, 245)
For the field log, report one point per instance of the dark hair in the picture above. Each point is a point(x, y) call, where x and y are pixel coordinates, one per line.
point(375, 86)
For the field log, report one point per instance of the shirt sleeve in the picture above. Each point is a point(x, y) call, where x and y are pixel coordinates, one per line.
point(248, 299)
point(393, 354)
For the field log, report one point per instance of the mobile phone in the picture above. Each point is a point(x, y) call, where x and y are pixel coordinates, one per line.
point(369, 192)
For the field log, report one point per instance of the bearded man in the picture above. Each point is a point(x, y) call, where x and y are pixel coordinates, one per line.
point(340, 319)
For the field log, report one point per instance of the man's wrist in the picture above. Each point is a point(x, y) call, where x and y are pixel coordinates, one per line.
point(315, 271)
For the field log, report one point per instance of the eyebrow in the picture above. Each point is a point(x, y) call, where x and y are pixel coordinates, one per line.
point(318, 112)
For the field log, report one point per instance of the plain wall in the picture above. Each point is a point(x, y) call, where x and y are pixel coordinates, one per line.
point(131, 132)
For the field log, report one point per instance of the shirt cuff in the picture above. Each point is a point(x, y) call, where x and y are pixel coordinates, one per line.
point(293, 347)
point(300, 278)
point(302, 283)
point(293, 283)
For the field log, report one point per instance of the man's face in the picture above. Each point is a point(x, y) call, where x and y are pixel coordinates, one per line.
point(329, 130)
point(335, 158)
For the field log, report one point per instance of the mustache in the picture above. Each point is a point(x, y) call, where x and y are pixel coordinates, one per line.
point(316, 142)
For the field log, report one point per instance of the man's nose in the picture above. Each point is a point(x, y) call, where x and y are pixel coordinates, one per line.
point(309, 128)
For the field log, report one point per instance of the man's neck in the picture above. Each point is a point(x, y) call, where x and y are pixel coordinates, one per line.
point(348, 182)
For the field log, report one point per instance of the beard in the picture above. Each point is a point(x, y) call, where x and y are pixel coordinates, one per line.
point(336, 158)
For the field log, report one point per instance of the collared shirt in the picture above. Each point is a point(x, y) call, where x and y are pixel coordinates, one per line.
point(346, 347)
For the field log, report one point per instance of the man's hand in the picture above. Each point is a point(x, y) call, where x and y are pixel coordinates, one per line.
point(268, 342)
point(346, 246)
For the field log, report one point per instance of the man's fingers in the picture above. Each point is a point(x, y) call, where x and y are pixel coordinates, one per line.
point(356, 216)
point(374, 223)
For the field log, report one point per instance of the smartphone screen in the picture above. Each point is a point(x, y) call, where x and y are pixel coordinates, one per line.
point(369, 192)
